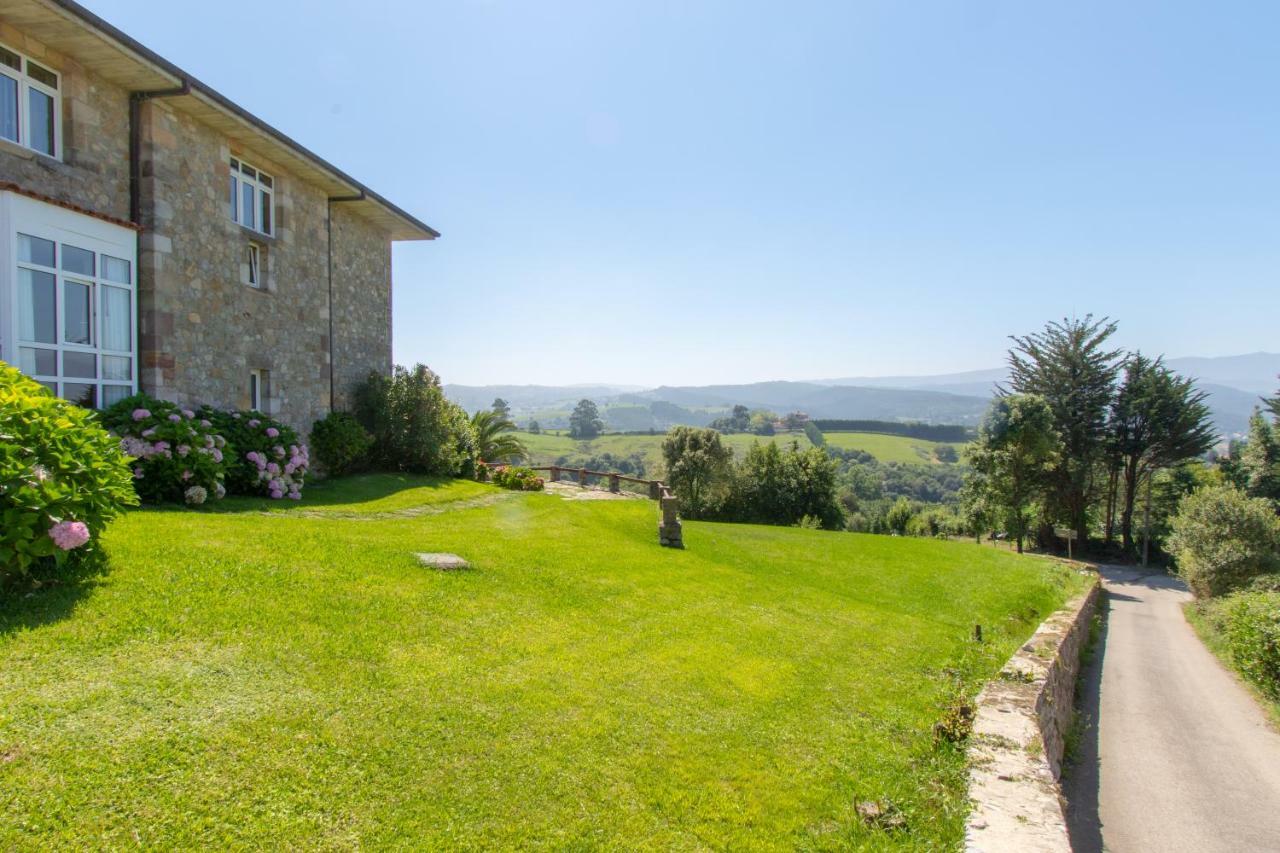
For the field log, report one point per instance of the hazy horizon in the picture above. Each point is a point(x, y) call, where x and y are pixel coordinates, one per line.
point(725, 192)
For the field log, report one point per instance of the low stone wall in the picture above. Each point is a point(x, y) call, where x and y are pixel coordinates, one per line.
point(1019, 735)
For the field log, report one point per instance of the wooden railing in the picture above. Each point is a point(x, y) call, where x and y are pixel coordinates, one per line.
point(670, 532)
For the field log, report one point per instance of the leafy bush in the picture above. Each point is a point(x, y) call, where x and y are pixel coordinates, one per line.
point(62, 477)
point(1248, 625)
point(414, 427)
point(177, 456)
point(698, 465)
point(517, 478)
point(340, 443)
point(772, 487)
point(1222, 539)
point(267, 457)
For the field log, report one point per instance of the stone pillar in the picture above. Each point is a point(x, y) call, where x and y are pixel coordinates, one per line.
point(553, 476)
point(582, 477)
point(655, 490)
point(670, 534)
point(615, 485)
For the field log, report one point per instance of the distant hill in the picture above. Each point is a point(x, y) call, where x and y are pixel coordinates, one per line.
point(474, 397)
point(826, 401)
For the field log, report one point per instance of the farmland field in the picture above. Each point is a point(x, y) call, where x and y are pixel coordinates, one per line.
point(262, 675)
point(887, 448)
point(545, 449)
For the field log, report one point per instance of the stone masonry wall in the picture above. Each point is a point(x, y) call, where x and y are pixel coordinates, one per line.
point(203, 329)
point(361, 302)
point(94, 171)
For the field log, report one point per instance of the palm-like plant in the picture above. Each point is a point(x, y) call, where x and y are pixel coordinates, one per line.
point(494, 440)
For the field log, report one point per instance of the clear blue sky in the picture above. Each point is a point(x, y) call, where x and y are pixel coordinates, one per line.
point(695, 192)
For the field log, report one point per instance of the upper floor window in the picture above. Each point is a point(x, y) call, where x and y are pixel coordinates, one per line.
point(30, 109)
point(250, 197)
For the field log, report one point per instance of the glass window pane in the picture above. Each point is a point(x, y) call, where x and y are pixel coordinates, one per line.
point(51, 387)
point(117, 367)
point(80, 365)
point(42, 75)
point(38, 362)
point(265, 180)
point(81, 394)
point(253, 391)
point(40, 121)
point(246, 205)
point(117, 319)
point(33, 250)
point(248, 171)
point(37, 320)
point(77, 260)
point(266, 213)
point(10, 59)
point(77, 312)
point(112, 394)
point(8, 108)
point(231, 206)
point(117, 269)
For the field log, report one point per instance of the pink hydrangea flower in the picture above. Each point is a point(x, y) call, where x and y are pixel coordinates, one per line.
point(183, 450)
point(276, 494)
point(217, 455)
point(137, 473)
point(148, 432)
point(205, 423)
point(187, 475)
point(175, 417)
point(272, 432)
point(140, 414)
point(188, 414)
point(255, 422)
point(69, 534)
point(235, 415)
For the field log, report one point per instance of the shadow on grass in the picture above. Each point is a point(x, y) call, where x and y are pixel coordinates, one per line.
point(49, 595)
point(340, 491)
point(1080, 782)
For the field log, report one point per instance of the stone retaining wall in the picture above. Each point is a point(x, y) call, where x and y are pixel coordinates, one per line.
point(1019, 736)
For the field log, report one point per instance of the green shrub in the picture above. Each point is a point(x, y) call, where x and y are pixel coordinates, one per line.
point(1222, 539)
point(520, 479)
point(1252, 634)
point(266, 457)
point(62, 478)
point(176, 455)
point(414, 427)
point(340, 443)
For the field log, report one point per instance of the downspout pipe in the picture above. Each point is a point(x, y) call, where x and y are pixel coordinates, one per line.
point(136, 100)
point(328, 234)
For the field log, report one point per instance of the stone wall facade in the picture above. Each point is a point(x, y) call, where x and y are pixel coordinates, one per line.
point(361, 302)
point(94, 170)
point(201, 328)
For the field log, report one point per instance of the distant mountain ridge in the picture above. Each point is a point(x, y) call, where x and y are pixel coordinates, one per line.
point(1234, 385)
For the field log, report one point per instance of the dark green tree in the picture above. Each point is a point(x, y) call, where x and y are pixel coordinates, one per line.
point(534, 428)
point(585, 421)
point(501, 408)
point(1158, 420)
point(1014, 454)
point(1069, 366)
point(1260, 460)
point(697, 465)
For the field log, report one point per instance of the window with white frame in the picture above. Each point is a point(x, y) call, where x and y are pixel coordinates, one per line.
point(30, 106)
point(67, 301)
point(257, 390)
point(253, 265)
point(249, 197)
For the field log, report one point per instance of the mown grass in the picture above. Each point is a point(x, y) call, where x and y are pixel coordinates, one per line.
point(887, 448)
point(290, 676)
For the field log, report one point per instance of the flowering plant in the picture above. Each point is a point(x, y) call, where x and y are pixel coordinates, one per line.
point(62, 478)
point(516, 477)
point(176, 455)
point(269, 458)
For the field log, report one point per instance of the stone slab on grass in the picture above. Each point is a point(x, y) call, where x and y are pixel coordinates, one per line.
point(443, 562)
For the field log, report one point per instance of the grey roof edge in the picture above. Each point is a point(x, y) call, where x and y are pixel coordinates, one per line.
point(150, 56)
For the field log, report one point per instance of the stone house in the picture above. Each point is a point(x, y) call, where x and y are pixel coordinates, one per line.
point(155, 236)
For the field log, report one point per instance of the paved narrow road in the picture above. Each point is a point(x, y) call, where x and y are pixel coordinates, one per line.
point(1177, 756)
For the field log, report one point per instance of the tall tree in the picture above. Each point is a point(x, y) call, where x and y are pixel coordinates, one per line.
point(1158, 420)
point(501, 408)
point(1273, 405)
point(1260, 460)
point(1070, 367)
point(697, 465)
point(1016, 449)
point(585, 420)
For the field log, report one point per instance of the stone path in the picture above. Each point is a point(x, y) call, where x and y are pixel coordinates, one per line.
point(1177, 756)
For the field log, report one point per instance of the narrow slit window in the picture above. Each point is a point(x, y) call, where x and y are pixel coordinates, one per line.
point(253, 261)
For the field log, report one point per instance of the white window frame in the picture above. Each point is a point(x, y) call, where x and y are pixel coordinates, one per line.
point(25, 83)
point(263, 186)
point(253, 266)
point(22, 215)
point(258, 390)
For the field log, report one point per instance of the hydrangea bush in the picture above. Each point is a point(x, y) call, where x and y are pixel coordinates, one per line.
point(62, 478)
point(177, 455)
point(517, 478)
point(269, 458)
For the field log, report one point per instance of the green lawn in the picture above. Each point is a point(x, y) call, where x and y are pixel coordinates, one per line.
point(887, 448)
point(545, 449)
point(289, 676)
